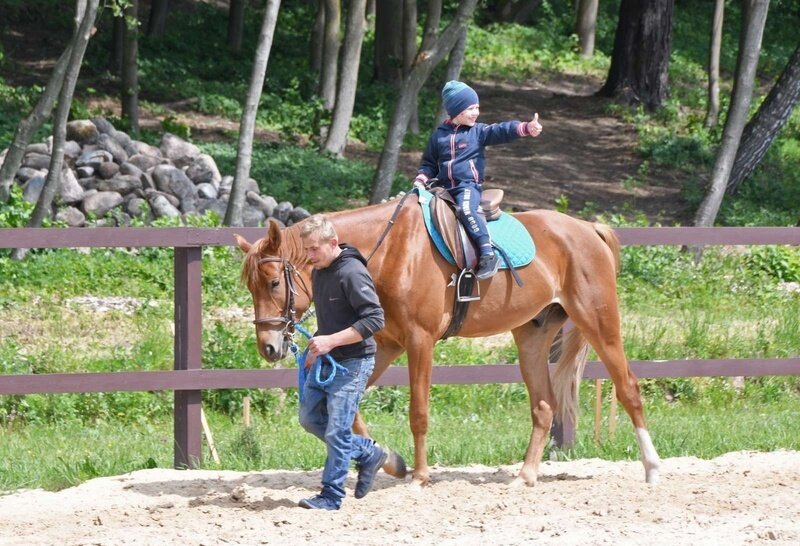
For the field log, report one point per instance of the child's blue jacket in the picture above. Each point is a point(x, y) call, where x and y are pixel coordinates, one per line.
point(454, 154)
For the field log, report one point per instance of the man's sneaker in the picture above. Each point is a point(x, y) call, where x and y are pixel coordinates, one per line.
point(368, 470)
point(320, 502)
point(488, 266)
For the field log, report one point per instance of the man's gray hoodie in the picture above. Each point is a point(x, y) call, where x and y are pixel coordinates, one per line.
point(344, 296)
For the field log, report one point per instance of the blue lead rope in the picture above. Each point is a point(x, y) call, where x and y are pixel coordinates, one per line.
point(301, 365)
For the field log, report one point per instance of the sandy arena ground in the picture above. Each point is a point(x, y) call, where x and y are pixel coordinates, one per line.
point(738, 498)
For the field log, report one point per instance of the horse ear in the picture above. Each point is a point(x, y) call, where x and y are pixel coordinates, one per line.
point(273, 238)
point(242, 242)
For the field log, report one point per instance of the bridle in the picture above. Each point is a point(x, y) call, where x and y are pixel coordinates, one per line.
point(288, 315)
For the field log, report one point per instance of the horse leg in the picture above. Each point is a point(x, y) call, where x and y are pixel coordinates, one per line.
point(533, 341)
point(602, 329)
point(420, 363)
point(384, 356)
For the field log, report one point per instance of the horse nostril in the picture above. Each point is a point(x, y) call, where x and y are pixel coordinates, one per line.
point(269, 351)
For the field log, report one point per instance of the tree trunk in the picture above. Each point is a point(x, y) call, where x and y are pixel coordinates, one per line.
point(772, 115)
point(454, 65)
point(348, 79)
point(409, 51)
point(317, 32)
point(330, 53)
point(28, 126)
point(130, 69)
point(157, 23)
point(425, 63)
point(433, 17)
point(712, 115)
point(585, 25)
point(753, 17)
point(389, 41)
point(235, 24)
point(640, 58)
point(117, 44)
point(82, 35)
point(233, 214)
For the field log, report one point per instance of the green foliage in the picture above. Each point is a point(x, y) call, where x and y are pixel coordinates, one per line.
point(304, 177)
point(16, 211)
point(781, 263)
point(171, 124)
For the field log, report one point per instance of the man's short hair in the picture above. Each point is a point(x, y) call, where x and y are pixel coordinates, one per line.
point(318, 224)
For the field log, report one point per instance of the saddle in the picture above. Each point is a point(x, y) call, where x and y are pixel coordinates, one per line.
point(443, 215)
point(464, 254)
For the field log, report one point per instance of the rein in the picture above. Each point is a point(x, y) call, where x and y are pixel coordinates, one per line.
point(290, 324)
point(389, 225)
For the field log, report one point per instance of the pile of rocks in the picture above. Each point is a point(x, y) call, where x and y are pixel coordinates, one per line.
point(108, 178)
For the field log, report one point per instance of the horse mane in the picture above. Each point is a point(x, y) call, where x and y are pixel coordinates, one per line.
point(291, 247)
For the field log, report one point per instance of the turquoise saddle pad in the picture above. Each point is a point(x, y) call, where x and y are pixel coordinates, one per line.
point(507, 232)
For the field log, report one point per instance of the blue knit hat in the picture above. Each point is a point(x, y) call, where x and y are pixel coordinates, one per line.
point(457, 97)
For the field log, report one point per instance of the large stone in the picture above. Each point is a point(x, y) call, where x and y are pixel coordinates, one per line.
point(37, 148)
point(71, 216)
point(130, 168)
point(84, 172)
point(36, 161)
point(206, 191)
point(82, 131)
point(252, 217)
point(69, 190)
point(298, 214)
point(214, 205)
point(103, 126)
point(161, 207)
point(180, 152)
point(204, 170)
point(93, 158)
point(225, 185)
point(144, 162)
point(145, 149)
point(72, 151)
point(26, 173)
point(108, 169)
point(122, 184)
point(107, 143)
point(266, 203)
point(172, 180)
point(101, 202)
point(32, 189)
point(139, 208)
point(282, 212)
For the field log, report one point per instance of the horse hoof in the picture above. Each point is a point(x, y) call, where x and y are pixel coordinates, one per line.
point(395, 465)
point(519, 483)
point(653, 477)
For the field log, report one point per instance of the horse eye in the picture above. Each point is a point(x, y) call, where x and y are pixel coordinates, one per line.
point(275, 283)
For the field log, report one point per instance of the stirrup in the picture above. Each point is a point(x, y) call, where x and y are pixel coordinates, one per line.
point(466, 280)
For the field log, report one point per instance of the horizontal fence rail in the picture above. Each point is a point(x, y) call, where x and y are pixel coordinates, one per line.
point(188, 379)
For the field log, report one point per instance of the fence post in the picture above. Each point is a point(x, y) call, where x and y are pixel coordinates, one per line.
point(188, 354)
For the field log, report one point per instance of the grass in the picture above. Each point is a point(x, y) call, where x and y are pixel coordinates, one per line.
point(490, 427)
point(734, 304)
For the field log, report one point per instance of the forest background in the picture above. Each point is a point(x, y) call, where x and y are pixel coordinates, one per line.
point(642, 158)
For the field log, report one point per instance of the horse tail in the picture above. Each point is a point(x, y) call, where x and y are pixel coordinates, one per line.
point(568, 373)
point(609, 236)
point(575, 347)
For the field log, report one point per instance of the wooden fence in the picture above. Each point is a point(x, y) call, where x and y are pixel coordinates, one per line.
point(188, 379)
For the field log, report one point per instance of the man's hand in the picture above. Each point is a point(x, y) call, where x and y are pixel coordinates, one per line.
point(318, 346)
point(534, 127)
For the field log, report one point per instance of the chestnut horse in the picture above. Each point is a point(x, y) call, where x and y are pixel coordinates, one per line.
point(573, 276)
